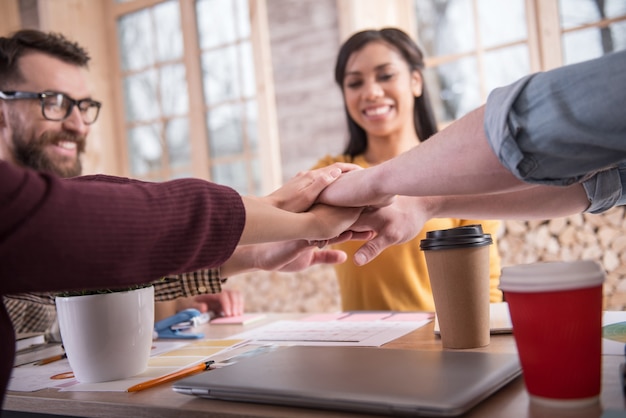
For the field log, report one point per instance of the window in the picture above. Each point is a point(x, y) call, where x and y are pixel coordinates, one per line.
point(155, 90)
point(591, 28)
point(473, 46)
point(188, 79)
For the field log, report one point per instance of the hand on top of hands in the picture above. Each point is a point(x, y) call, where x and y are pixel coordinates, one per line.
point(356, 189)
point(301, 191)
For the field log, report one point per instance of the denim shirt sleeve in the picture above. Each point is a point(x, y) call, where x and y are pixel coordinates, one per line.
point(605, 189)
point(562, 126)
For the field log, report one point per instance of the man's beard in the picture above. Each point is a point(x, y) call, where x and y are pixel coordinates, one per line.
point(33, 153)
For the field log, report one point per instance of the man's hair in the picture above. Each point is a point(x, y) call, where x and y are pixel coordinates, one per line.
point(27, 41)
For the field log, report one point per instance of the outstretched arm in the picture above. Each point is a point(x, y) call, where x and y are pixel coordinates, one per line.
point(456, 161)
point(296, 195)
point(402, 220)
point(273, 218)
point(535, 202)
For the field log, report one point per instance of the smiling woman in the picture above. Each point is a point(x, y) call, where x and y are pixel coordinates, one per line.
point(388, 112)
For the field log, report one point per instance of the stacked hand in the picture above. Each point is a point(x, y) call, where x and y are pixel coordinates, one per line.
point(297, 195)
point(383, 221)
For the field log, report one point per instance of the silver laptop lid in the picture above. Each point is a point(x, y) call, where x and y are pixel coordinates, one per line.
point(360, 379)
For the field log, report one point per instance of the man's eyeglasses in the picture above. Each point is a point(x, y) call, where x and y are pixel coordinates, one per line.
point(58, 106)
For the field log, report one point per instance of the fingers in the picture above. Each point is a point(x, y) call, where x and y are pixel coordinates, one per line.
point(349, 190)
point(319, 179)
point(316, 180)
point(302, 190)
point(225, 307)
point(322, 177)
point(329, 257)
point(332, 168)
point(370, 250)
point(231, 303)
point(343, 237)
point(345, 167)
point(237, 303)
point(362, 235)
point(227, 303)
point(319, 243)
point(190, 303)
point(349, 236)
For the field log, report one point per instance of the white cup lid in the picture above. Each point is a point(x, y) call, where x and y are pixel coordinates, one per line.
point(551, 276)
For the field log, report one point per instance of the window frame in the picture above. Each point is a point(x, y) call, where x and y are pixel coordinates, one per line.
point(544, 40)
point(267, 126)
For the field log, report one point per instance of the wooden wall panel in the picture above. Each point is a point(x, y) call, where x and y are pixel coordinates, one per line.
point(84, 22)
point(10, 12)
point(355, 15)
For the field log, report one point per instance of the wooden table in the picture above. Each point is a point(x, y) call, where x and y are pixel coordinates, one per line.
point(511, 401)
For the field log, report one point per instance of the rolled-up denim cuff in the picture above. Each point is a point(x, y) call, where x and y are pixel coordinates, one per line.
point(506, 125)
point(497, 128)
point(604, 189)
point(562, 126)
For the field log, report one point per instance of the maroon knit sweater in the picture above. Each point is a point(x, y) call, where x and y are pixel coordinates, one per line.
point(102, 231)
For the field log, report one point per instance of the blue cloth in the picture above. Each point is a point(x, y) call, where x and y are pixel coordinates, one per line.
point(565, 126)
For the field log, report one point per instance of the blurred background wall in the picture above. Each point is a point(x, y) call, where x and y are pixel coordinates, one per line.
point(241, 92)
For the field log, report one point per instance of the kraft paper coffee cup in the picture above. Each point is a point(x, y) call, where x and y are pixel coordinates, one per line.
point(556, 311)
point(458, 265)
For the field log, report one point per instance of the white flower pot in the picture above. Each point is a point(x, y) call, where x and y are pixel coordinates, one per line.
point(107, 336)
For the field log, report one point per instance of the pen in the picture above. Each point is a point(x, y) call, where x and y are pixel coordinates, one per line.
point(51, 359)
point(171, 377)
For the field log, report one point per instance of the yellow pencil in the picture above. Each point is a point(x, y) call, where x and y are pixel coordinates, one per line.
point(51, 359)
point(171, 377)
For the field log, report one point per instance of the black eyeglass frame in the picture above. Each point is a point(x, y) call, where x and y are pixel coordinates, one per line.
point(26, 95)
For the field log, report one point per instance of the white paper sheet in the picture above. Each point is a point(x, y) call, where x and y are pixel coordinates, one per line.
point(166, 357)
point(355, 329)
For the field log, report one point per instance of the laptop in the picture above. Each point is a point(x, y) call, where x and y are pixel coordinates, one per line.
point(360, 379)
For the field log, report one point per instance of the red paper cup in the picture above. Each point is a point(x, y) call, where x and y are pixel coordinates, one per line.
point(556, 311)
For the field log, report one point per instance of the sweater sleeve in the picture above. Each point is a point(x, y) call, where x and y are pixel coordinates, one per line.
point(102, 232)
point(105, 232)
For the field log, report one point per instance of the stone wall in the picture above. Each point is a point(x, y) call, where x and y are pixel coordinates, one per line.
point(591, 237)
point(312, 290)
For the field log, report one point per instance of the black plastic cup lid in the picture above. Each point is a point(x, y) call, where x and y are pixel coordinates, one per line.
point(460, 237)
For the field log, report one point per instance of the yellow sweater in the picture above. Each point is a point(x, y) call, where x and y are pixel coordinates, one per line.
point(398, 278)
